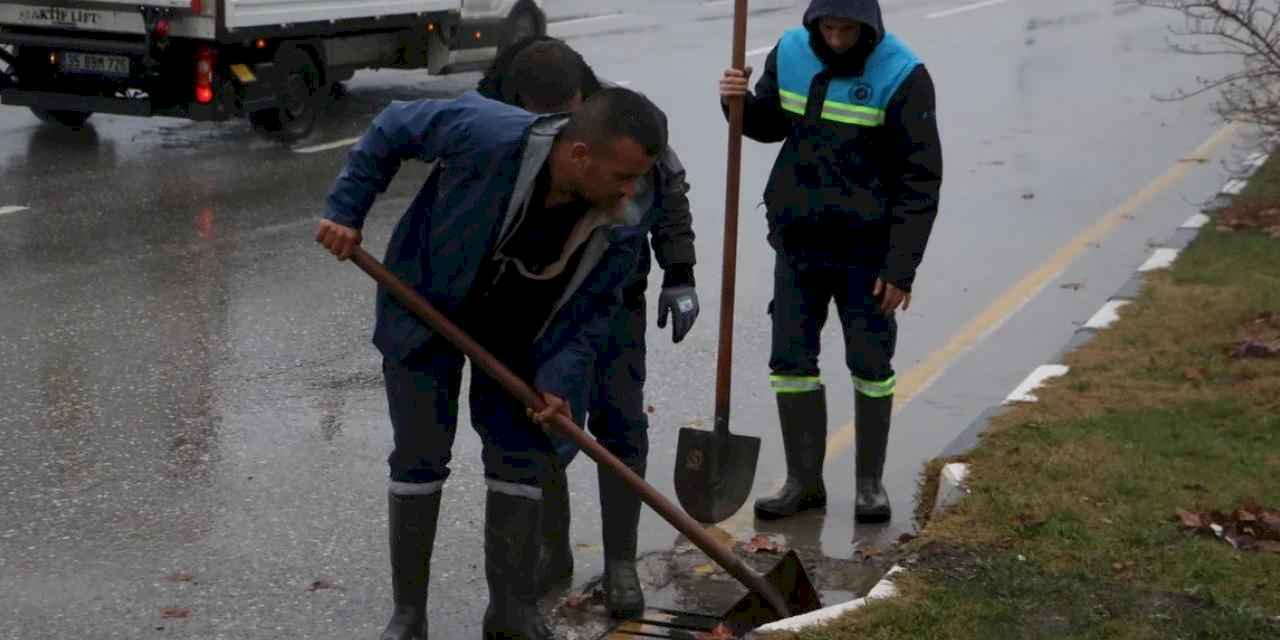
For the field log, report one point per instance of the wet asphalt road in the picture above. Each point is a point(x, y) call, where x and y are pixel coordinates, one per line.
point(193, 416)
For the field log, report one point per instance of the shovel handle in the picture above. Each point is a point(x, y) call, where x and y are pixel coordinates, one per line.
point(733, 190)
point(566, 427)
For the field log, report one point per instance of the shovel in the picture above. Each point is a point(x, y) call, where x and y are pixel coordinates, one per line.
point(784, 592)
point(715, 470)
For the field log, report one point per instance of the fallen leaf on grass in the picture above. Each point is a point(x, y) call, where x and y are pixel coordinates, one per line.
point(1249, 527)
point(720, 632)
point(763, 544)
point(175, 612)
point(1251, 215)
point(1193, 520)
point(1193, 374)
point(1196, 486)
point(322, 583)
point(1254, 349)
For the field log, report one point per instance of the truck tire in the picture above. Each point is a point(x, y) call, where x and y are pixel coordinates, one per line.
point(73, 120)
point(299, 98)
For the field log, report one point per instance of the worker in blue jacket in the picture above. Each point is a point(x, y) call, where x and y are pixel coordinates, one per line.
point(545, 75)
point(851, 203)
point(520, 234)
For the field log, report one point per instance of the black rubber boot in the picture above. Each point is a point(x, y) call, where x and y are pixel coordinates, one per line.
point(872, 419)
point(555, 565)
point(620, 521)
point(512, 546)
point(804, 439)
point(412, 520)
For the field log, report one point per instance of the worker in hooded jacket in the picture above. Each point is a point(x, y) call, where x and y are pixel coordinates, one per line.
point(851, 203)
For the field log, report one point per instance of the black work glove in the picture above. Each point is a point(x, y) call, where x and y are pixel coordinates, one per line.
point(682, 303)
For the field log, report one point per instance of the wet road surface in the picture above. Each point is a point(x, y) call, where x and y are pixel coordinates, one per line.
point(193, 421)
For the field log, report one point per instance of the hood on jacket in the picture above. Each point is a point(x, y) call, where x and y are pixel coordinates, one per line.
point(854, 60)
point(494, 85)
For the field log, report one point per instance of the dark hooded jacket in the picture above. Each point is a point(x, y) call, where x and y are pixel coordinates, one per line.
point(844, 194)
point(665, 189)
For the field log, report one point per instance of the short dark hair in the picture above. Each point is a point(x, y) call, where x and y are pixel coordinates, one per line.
point(616, 112)
point(545, 75)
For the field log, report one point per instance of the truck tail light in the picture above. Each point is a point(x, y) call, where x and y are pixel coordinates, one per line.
point(206, 58)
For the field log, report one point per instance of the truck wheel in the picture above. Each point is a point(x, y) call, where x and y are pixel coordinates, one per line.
point(522, 24)
point(70, 119)
point(298, 99)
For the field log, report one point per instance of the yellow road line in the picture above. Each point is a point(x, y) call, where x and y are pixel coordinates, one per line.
point(916, 380)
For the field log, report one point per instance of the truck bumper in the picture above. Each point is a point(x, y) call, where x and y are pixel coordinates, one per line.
point(119, 106)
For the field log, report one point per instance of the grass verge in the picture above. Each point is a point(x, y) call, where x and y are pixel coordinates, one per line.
point(1071, 530)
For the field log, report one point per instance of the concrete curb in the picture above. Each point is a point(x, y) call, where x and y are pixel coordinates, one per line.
point(1161, 258)
point(951, 481)
point(883, 590)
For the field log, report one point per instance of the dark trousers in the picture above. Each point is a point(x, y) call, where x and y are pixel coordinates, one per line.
point(617, 413)
point(802, 295)
point(422, 395)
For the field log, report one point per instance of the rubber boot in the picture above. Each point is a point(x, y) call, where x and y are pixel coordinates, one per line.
point(412, 520)
point(872, 419)
point(556, 562)
point(512, 546)
point(620, 521)
point(804, 439)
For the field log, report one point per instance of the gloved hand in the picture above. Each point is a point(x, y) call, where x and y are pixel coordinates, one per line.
point(682, 303)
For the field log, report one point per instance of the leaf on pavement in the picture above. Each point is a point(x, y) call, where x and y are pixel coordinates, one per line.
point(720, 632)
point(763, 544)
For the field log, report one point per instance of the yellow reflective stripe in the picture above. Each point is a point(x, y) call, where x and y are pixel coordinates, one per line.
point(862, 122)
point(873, 389)
point(795, 384)
point(853, 109)
point(834, 111)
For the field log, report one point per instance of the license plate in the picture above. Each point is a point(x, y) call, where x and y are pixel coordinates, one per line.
point(97, 64)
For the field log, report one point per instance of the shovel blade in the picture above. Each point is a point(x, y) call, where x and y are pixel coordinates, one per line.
point(714, 473)
point(790, 579)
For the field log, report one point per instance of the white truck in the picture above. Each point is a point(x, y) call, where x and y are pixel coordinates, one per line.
point(268, 60)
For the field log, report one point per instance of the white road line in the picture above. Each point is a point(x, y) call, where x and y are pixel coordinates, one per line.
point(327, 146)
point(1234, 187)
point(1161, 259)
point(1034, 381)
point(607, 16)
point(963, 9)
point(4, 211)
point(1195, 222)
point(1106, 316)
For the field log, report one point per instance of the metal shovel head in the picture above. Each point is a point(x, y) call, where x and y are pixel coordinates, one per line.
point(714, 473)
point(789, 577)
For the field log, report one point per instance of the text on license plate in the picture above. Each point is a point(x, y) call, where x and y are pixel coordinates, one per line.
point(75, 62)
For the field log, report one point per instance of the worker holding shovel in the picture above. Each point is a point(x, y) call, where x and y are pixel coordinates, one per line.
point(521, 234)
point(544, 75)
point(851, 203)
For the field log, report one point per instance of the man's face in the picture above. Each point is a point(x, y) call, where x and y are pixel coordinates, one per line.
point(840, 33)
point(608, 172)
